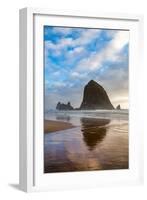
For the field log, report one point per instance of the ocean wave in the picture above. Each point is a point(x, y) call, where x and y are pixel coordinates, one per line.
point(100, 114)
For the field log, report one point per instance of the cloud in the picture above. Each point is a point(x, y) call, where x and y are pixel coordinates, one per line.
point(76, 51)
point(57, 48)
point(78, 75)
point(85, 37)
point(110, 53)
point(62, 30)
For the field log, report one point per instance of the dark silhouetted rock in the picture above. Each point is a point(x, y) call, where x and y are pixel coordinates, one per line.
point(94, 131)
point(118, 107)
point(95, 97)
point(62, 106)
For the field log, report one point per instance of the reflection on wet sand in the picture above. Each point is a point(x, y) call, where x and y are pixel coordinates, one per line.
point(94, 131)
point(94, 144)
point(63, 117)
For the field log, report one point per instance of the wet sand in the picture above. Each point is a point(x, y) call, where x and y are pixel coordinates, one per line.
point(97, 144)
point(52, 126)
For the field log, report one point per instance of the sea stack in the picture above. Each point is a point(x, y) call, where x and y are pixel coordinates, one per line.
point(62, 106)
point(95, 97)
point(118, 107)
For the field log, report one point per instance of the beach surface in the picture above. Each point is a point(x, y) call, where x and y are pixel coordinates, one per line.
point(52, 126)
point(85, 141)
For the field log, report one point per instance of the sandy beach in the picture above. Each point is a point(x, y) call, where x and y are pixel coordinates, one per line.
point(52, 126)
point(93, 144)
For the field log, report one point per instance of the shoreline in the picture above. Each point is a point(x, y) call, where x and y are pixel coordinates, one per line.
point(53, 126)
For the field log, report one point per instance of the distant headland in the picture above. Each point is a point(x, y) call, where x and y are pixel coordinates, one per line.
point(94, 97)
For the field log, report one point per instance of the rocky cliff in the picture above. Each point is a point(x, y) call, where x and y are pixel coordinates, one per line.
point(95, 97)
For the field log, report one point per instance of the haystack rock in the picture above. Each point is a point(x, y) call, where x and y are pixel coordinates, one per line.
point(118, 107)
point(95, 97)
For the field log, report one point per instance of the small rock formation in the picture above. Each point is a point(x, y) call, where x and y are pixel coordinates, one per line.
point(95, 97)
point(62, 106)
point(118, 107)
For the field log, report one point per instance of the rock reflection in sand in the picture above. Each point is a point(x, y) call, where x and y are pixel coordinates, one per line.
point(95, 144)
point(94, 131)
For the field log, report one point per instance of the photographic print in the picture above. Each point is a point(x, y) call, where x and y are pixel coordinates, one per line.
point(86, 99)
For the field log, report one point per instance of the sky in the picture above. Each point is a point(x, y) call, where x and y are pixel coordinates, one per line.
point(74, 56)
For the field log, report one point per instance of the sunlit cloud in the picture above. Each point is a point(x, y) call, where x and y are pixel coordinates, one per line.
point(110, 53)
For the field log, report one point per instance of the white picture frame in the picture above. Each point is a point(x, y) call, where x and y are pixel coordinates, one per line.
point(31, 104)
